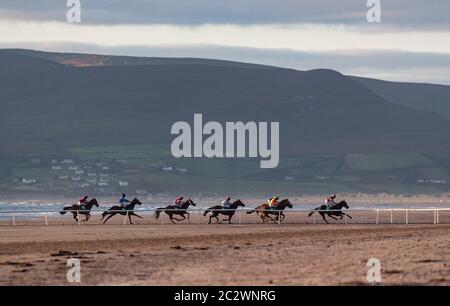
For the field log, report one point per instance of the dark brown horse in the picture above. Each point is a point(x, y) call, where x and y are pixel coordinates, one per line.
point(128, 209)
point(219, 209)
point(335, 210)
point(175, 210)
point(84, 209)
point(264, 210)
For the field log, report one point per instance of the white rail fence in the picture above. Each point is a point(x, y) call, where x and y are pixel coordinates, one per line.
point(370, 216)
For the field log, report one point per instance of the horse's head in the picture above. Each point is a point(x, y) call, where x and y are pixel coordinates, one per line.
point(190, 202)
point(94, 202)
point(344, 204)
point(238, 203)
point(136, 202)
point(285, 203)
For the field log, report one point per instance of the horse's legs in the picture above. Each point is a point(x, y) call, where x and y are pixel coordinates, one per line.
point(87, 217)
point(109, 217)
point(282, 217)
point(323, 217)
point(171, 218)
point(129, 218)
point(331, 216)
point(189, 215)
point(134, 214)
point(75, 216)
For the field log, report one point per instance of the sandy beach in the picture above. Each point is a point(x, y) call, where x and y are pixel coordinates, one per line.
point(222, 254)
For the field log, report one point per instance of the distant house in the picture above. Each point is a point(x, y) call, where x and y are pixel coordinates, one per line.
point(67, 161)
point(104, 175)
point(288, 178)
point(141, 191)
point(79, 172)
point(63, 177)
point(76, 178)
point(56, 167)
point(105, 168)
point(123, 183)
point(92, 181)
point(168, 168)
point(28, 181)
point(182, 170)
point(92, 174)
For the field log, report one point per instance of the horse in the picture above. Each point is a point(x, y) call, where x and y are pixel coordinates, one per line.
point(335, 210)
point(175, 210)
point(128, 209)
point(84, 209)
point(219, 209)
point(264, 210)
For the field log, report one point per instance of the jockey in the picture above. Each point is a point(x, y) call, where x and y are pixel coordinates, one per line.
point(83, 201)
point(123, 201)
point(329, 201)
point(178, 202)
point(273, 202)
point(226, 203)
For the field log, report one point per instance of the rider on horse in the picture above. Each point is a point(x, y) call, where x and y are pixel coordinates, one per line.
point(226, 203)
point(83, 201)
point(273, 202)
point(179, 202)
point(123, 201)
point(329, 201)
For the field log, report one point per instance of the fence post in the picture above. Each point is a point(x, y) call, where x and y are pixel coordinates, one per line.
point(279, 216)
point(14, 218)
point(437, 216)
point(378, 215)
point(125, 219)
point(78, 217)
point(162, 217)
point(345, 219)
point(46, 219)
point(407, 221)
point(392, 216)
point(239, 215)
point(314, 218)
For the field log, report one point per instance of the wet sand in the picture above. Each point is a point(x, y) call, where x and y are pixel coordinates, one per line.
point(222, 254)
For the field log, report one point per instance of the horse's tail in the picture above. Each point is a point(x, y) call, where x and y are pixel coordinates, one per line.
point(65, 209)
point(251, 211)
point(158, 212)
point(315, 209)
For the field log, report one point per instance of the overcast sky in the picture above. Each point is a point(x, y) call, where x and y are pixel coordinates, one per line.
point(411, 43)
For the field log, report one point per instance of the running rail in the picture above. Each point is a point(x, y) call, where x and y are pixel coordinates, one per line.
point(406, 211)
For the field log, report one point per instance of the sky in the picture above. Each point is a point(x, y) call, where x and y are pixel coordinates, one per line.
point(410, 43)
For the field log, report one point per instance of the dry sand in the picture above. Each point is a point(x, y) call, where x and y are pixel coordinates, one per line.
point(222, 254)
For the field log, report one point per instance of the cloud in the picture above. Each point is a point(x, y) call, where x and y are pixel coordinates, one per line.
point(398, 14)
point(388, 65)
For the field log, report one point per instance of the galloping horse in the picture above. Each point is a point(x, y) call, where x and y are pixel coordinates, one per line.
point(76, 209)
point(219, 209)
point(264, 210)
point(175, 210)
point(128, 209)
point(335, 210)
